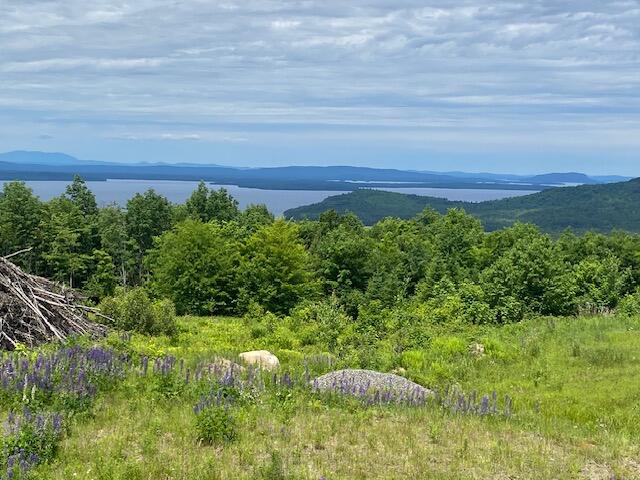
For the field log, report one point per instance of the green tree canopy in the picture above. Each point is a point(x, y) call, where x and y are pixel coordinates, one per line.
point(533, 274)
point(207, 204)
point(81, 196)
point(61, 232)
point(196, 265)
point(148, 215)
point(276, 268)
point(115, 241)
point(255, 216)
point(20, 216)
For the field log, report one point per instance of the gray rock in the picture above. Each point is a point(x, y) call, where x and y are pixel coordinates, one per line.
point(362, 382)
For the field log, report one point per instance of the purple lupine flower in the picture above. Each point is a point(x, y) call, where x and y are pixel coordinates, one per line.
point(484, 405)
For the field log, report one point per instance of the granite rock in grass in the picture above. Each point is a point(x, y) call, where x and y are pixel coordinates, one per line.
point(362, 382)
point(261, 358)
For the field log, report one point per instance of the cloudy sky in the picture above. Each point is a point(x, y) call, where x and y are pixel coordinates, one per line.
point(521, 86)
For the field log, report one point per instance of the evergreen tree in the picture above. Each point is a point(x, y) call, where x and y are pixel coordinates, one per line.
point(61, 232)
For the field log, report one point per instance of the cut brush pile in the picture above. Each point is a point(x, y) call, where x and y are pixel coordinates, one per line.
point(34, 310)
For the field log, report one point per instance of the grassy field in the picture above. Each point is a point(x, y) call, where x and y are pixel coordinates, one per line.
point(575, 385)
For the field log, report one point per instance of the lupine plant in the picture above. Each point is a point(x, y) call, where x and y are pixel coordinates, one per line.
point(68, 378)
point(215, 423)
point(28, 440)
point(458, 402)
point(452, 399)
point(65, 381)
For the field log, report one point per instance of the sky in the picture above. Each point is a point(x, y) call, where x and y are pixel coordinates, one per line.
point(519, 86)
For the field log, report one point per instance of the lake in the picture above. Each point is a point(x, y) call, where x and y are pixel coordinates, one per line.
point(119, 191)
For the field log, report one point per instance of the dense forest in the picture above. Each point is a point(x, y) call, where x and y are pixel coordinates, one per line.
point(590, 207)
point(208, 257)
point(454, 323)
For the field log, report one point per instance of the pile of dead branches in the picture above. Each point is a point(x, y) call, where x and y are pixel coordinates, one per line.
point(34, 310)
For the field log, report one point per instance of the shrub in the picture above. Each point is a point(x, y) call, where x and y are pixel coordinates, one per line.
point(133, 310)
point(414, 360)
point(215, 425)
point(284, 338)
point(630, 305)
point(321, 323)
point(447, 347)
point(290, 357)
point(600, 284)
point(465, 303)
point(494, 348)
point(258, 330)
point(441, 372)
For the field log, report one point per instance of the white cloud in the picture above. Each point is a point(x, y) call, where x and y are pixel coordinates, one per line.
point(284, 24)
point(441, 67)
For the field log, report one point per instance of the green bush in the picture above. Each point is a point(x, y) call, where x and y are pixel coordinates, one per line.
point(494, 348)
point(290, 357)
point(441, 373)
point(601, 283)
point(216, 426)
point(447, 347)
point(321, 323)
point(464, 303)
point(414, 360)
point(283, 338)
point(133, 310)
point(169, 384)
point(630, 305)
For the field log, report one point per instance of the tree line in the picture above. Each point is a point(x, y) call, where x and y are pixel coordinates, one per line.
point(209, 257)
point(600, 208)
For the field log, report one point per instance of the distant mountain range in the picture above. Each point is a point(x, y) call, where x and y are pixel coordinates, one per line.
point(602, 208)
point(24, 165)
point(546, 178)
point(22, 157)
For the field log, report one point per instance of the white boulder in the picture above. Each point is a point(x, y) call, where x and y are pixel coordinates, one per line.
point(261, 358)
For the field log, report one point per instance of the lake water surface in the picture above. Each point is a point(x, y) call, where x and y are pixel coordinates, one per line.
point(119, 191)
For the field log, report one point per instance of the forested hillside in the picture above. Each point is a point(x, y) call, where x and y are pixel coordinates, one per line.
point(208, 257)
point(451, 311)
point(589, 207)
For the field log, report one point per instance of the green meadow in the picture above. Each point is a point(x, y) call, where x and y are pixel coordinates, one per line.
point(576, 412)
